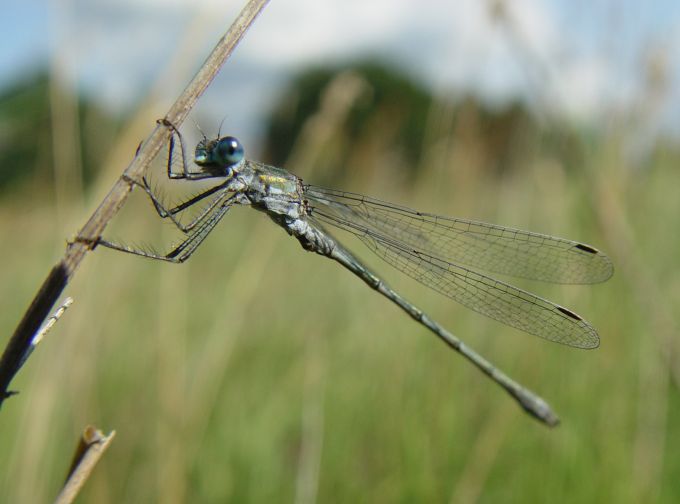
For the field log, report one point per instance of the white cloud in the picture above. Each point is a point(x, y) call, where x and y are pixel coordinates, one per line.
point(585, 86)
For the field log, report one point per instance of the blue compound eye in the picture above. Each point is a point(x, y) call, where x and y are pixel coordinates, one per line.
point(229, 151)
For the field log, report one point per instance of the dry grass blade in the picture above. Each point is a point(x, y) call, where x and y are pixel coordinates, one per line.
point(91, 447)
point(56, 281)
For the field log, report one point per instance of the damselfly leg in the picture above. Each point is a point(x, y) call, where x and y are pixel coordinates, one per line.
point(200, 225)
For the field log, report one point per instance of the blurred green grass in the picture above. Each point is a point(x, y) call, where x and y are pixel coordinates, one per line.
point(258, 372)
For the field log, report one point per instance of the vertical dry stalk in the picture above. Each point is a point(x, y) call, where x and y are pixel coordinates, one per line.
point(62, 272)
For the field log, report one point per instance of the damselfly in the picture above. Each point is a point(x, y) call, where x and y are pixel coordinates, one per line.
point(446, 254)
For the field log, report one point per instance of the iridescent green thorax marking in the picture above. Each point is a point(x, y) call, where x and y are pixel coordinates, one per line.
point(276, 180)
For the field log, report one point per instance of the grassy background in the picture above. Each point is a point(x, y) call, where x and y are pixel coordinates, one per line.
point(259, 372)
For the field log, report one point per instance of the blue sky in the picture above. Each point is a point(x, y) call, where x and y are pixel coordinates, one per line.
point(594, 51)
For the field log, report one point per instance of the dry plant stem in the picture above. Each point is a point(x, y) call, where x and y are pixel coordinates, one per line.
point(52, 320)
point(91, 447)
point(46, 328)
point(56, 281)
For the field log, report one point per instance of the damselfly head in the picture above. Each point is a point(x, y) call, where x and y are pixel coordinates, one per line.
point(220, 154)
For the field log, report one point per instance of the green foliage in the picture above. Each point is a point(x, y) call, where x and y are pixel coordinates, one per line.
point(389, 103)
point(26, 134)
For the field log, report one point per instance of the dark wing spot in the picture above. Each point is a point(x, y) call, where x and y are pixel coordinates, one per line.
point(569, 313)
point(587, 248)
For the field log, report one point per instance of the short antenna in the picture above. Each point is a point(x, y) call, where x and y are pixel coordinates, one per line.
point(219, 130)
point(199, 129)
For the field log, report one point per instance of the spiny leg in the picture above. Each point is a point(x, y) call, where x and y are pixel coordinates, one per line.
point(171, 147)
point(185, 249)
point(171, 212)
point(181, 252)
point(185, 173)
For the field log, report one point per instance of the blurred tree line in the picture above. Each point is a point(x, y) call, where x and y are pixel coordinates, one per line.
point(397, 112)
point(26, 133)
point(390, 111)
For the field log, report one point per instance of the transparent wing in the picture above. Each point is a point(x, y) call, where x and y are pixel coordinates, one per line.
point(492, 298)
point(486, 247)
